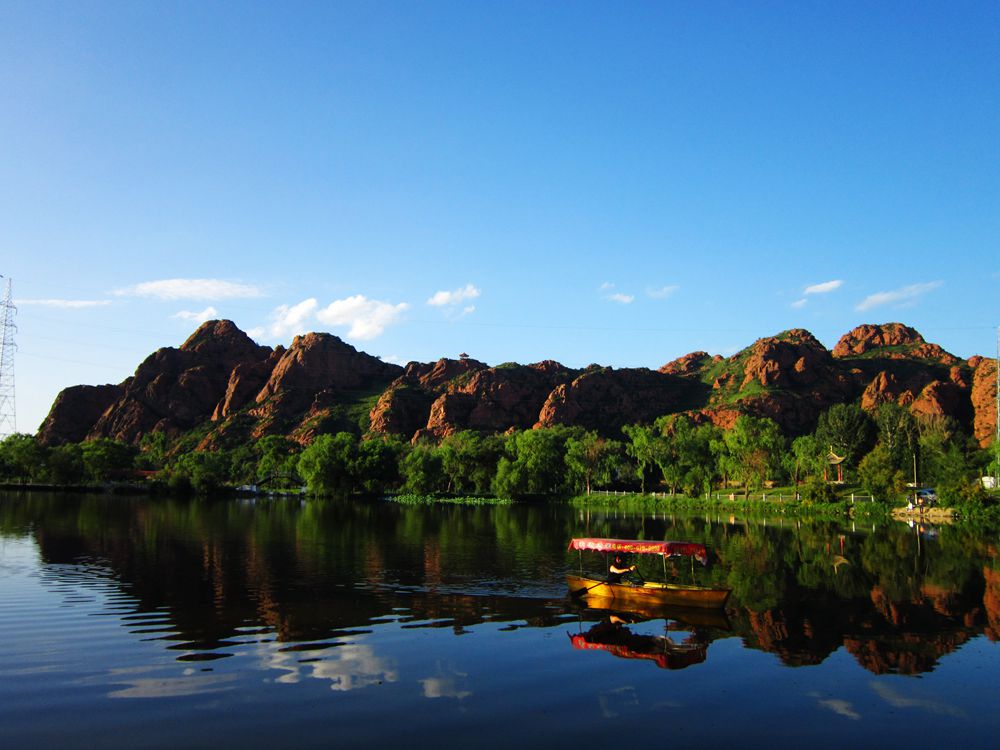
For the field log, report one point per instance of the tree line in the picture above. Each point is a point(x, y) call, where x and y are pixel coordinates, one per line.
point(881, 452)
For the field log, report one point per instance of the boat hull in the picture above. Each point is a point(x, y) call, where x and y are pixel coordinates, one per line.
point(609, 595)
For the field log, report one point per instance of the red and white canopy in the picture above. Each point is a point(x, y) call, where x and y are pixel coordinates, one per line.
point(641, 547)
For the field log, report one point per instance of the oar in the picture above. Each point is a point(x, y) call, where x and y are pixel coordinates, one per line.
point(581, 592)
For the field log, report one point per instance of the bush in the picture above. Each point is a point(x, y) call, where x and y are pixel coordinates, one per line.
point(816, 490)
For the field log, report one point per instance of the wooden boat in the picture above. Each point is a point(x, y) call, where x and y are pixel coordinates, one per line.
point(649, 592)
point(624, 595)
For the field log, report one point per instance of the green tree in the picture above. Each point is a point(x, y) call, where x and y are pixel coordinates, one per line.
point(202, 471)
point(847, 431)
point(422, 470)
point(947, 458)
point(277, 460)
point(807, 458)
point(21, 457)
point(642, 446)
point(535, 462)
point(896, 429)
point(591, 459)
point(753, 448)
point(327, 465)
point(879, 475)
point(683, 452)
point(65, 464)
point(470, 460)
point(377, 467)
point(105, 459)
point(153, 448)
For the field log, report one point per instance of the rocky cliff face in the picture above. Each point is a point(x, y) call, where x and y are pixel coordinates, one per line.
point(984, 385)
point(173, 390)
point(605, 399)
point(75, 411)
point(892, 341)
point(222, 382)
point(311, 379)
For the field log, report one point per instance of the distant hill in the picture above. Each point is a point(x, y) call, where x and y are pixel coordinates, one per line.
point(223, 389)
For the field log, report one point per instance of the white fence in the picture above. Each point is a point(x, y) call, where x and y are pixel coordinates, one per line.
point(763, 496)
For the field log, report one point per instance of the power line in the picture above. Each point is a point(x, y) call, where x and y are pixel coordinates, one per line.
point(8, 412)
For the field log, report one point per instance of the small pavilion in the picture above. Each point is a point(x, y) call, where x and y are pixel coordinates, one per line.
point(832, 459)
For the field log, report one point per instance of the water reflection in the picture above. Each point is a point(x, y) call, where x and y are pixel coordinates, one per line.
point(613, 635)
point(303, 586)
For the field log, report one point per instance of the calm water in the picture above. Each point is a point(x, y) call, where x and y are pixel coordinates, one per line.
point(154, 623)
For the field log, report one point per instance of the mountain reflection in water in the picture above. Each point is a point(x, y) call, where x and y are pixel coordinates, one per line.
point(299, 581)
point(158, 623)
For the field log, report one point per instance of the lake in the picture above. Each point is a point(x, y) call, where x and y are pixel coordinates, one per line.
point(149, 623)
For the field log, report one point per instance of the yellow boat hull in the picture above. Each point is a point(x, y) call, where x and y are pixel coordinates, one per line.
point(609, 595)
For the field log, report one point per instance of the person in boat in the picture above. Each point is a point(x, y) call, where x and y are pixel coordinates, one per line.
point(619, 569)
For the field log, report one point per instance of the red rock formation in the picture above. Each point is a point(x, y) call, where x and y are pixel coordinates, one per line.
point(498, 398)
point(319, 361)
point(75, 411)
point(866, 337)
point(606, 399)
point(402, 410)
point(983, 398)
point(884, 388)
point(908, 344)
point(320, 383)
point(689, 364)
point(438, 374)
point(794, 358)
point(942, 399)
point(310, 378)
point(245, 382)
point(174, 390)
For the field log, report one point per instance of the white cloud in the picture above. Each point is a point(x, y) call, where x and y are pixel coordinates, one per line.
point(799, 303)
point(65, 303)
point(291, 321)
point(662, 292)
point(624, 299)
point(206, 289)
point(906, 295)
point(208, 313)
point(350, 667)
point(445, 687)
point(170, 687)
point(897, 700)
point(443, 298)
point(367, 318)
point(607, 285)
point(842, 707)
point(824, 288)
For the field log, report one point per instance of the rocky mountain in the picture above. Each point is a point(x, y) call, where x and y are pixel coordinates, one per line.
point(223, 389)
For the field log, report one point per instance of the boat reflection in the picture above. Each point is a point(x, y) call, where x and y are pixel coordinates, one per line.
point(613, 635)
point(687, 632)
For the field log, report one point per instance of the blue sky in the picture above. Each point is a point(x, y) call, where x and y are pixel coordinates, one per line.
point(587, 182)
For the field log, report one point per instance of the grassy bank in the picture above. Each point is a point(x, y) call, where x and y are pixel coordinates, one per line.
point(771, 504)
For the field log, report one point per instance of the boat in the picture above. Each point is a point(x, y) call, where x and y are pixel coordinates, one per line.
point(645, 593)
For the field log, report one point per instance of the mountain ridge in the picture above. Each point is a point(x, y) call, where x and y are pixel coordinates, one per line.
point(230, 389)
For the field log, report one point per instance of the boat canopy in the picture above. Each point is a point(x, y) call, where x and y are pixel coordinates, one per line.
point(641, 547)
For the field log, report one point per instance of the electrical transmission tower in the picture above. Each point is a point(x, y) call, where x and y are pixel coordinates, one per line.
point(8, 416)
